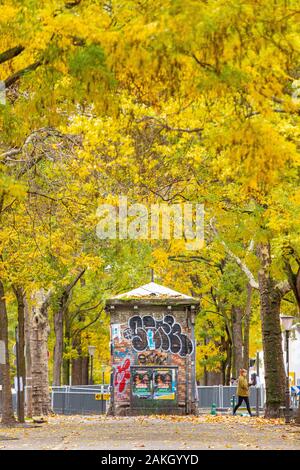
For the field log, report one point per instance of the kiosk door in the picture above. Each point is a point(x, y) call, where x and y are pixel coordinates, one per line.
point(153, 387)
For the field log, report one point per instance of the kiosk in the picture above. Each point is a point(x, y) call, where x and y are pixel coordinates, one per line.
point(152, 351)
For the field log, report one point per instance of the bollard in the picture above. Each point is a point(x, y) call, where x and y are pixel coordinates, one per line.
point(213, 410)
point(232, 402)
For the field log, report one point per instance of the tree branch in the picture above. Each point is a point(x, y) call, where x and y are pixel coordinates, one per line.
point(38, 140)
point(17, 75)
point(284, 287)
point(72, 4)
point(11, 53)
point(74, 282)
point(79, 330)
point(204, 65)
point(169, 128)
point(252, 281)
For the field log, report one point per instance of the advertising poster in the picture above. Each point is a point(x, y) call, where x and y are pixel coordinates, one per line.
point(164, 384)
point(141, 383)
point(116, 331)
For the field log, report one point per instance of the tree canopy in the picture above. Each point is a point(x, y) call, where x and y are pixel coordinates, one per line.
point(165, 101)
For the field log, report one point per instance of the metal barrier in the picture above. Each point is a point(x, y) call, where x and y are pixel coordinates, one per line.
point(94, 399)
point(80, 399)
point(221, 396)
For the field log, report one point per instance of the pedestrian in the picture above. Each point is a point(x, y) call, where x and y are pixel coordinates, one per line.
point(243, 391)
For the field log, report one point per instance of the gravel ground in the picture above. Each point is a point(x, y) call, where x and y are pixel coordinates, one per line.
point(154, 432)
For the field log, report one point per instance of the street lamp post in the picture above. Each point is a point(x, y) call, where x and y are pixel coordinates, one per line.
point(297, 420)
point(287, 323)
point(91, 350)
point(19, 405)
point(257, 384)
point(102, 389)
point(287, 390)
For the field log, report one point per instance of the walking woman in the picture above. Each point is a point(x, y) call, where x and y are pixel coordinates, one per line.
point(243, 391)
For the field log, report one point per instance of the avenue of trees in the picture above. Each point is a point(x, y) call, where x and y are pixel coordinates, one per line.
point(168, 101)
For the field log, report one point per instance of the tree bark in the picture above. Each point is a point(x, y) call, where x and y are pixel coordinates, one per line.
point(59, 344)
point(228, 357)
point(39, 354)
point(85, 370)
point(19, 293)
point(28, 367)
point(270, 299)
point(226, 363)
point(228, 366)
point(247, 320)
point(66, 371)
point(67, 362)
point(205, 376)
point(237, 339)
point(80, 365)
point(8, 417)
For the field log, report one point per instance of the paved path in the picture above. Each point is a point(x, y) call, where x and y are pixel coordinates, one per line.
point(204, 432)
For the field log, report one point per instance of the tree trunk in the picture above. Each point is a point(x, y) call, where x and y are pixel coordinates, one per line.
point(228, 366)
point(247, 320)
point(205, 368)
point(293, 277)
point(39, 354)
point(80, 366)
point(28, 394)
point(66, 371)
point(226, 363)
point(19, 293)
point(85, 370)
point(59, 344)
point(80, 371)
point(237, 339)
point(270, 299)
point(66, 362)
point(8, 417)
point(214, 377)
point(229, 353)
point(77, 371)
point(59, 329)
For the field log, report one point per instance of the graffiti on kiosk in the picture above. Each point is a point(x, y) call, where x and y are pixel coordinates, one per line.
point(120, 354)
point(122, 376)
point(149, 358)
point(166, 335)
